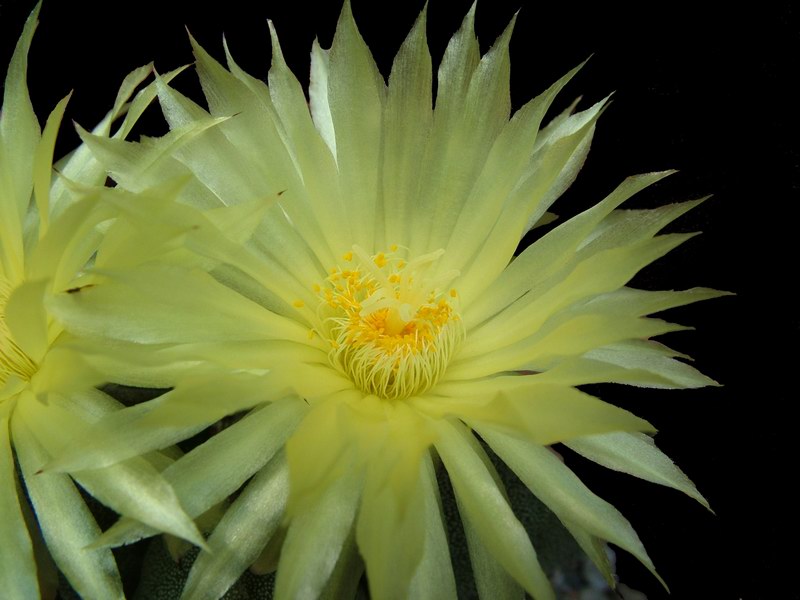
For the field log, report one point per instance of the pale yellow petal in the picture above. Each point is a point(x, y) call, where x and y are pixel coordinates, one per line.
point(356, 92)
point(17, 567)
point(544, 413)
point(66, 523)
point(637, 455)
point(561, 490)
point(543, 260)
point(488, 511)
point(406, 121)
point(241, 534)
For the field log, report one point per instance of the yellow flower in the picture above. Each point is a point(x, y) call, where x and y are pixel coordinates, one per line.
point(376, 321)
point(47, 237)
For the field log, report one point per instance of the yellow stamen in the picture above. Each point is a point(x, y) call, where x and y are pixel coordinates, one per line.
point(391, 328)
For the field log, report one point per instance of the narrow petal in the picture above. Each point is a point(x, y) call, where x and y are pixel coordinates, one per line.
point(545, 413)
point(637, 455)
point(407, 120)
point(491, 579)
point(71, 240)
point(649, 357)
point(316, 537)
point(561, 490)
point(81, 165)
point(66, 523)
point(434, 577)
point(43, 164)
point(356, 94)
point(117, 437)
point(246, 527)
point(549, 255)
point(488, 511)
point(313, 157)
point(17, 567)
point(346, 576)
point(154, 298)
point(318, 95)
point(390, 533)
point(211, 157)
point(601, 273)
point(561, 340)
point(623, 227)
point(214, 470)
point(253, 127)
point(133, 488)
point(19, 137)
point(26, 318)
point(523, 206)
point(462, 149)
point(138, 166)
point(506, 165)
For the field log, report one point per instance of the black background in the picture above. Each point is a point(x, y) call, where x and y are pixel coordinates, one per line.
point(704, 91)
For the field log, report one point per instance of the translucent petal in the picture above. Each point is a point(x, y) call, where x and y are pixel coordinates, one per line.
point(396, 451)
point(507, 164)
point(66, 523)
point(524, 205)
point(146, 306)
point(239, 537)
point(434, 577)
point(649, 357)
point(81, 165)
point(637, 455)
point(346, 576)
point(316, 537)
point(254, 127)
point(559, 341)
point(356, 93)
point(231, 175)
point(313, 157)
point(600, 273)
point(70, 241)
point(17, 568)
point(138, 166)
point(19, 137)
point(26, 318)
point(133, 488)
point(488, 511)
point(623, 227)
point(407, 121)
point(318, 95)
point(561, 490)
point(43, 164)
point(465, 128)
point(214, 470)
point(117, 437)
point(491, 579)
point(543, 412)
point(551, 254)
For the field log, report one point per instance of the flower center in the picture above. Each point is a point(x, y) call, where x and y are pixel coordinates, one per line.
point(13, 361)
point(391, 327)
